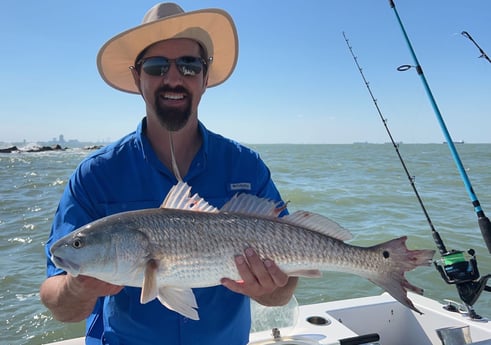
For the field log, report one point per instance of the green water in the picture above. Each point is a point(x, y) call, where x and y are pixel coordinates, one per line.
point(361, 186)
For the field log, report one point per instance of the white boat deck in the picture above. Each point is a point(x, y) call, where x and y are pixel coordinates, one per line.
point(328, 323)
point(394, 323)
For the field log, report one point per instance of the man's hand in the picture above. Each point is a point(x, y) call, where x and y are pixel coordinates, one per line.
point(91, 287)
point(262, 280)
point(72, 299)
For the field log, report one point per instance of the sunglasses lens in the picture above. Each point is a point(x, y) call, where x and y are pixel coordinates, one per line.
point(159, 65)
point(156, 66)
point(189, 65)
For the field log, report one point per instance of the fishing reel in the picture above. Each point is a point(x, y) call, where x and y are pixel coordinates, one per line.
point(456, 269)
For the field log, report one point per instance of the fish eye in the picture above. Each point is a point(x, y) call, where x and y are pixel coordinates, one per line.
point(78, 243)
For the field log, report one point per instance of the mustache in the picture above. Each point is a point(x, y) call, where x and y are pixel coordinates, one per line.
point(177, 89)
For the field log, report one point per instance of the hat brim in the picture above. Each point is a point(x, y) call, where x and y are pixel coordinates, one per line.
point(214, 29)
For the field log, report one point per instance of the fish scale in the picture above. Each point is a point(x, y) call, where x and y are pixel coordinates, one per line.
point(169, 251)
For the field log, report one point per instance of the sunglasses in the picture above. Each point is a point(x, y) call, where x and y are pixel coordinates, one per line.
point(160, 65)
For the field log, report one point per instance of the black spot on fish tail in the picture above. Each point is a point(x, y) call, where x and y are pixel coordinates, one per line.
point(398, 259)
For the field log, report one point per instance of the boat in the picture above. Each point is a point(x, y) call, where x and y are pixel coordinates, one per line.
point(372, 320)
point(455, 142)
point(380, 320)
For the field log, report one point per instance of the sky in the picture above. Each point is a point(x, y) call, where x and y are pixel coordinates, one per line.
point(295, 81)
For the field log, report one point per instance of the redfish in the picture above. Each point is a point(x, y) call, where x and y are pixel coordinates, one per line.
point(187, 243)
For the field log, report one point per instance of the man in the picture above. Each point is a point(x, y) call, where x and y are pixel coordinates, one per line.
point(169, 60)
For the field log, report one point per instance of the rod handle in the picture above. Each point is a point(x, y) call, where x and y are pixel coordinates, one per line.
point(439, 243)
point(361, 339)
point(485, 226)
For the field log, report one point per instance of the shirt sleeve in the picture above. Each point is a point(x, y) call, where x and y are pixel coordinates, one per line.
point(74, 211)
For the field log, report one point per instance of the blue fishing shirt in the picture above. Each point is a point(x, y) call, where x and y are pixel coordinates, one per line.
point(127, 175)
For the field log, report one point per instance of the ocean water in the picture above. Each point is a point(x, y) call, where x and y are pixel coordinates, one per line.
point(361, 186)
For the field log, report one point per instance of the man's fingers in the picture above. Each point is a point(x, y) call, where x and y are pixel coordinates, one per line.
point(278, 276)
point(258, 270)
point(259, 277)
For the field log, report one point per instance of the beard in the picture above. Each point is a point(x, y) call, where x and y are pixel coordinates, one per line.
point(172, 118)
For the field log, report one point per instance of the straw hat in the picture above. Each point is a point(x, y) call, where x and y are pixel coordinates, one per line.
point(214, 29)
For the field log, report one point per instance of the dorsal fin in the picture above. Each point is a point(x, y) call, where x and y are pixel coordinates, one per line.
point(253, 205)
point(179, 197)
point(256, 206)
point(318, 223)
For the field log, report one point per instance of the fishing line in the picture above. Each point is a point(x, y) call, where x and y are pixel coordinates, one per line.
point(483, 54)
point(175, 168)
point(483, 221)
point(453, 266)
point(438, 241)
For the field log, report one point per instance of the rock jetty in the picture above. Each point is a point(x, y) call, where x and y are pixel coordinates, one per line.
point(11, 149)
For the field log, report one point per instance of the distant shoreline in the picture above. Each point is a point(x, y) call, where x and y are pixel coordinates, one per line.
point(44, 148)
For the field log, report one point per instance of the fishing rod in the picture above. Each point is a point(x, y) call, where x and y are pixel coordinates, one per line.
point(483, 221)
point(438, 241)
point(483, 54)
point(453, 267)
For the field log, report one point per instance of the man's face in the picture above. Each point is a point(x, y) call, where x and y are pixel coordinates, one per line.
point(173, 97)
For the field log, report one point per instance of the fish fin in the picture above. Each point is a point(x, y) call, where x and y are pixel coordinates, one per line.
point(392, 278)
point(179, 197)
point(318, 223)
point(149, 286)
point(305, 273)
point(252, 204)
point(180, 300)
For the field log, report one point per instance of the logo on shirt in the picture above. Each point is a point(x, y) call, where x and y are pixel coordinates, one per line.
point(240, 186)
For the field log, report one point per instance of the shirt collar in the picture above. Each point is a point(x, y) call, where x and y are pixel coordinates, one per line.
point(142, 140)
point(204, 136)
point(149, 154)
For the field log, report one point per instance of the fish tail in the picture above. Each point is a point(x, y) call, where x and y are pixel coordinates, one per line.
point(399, 261)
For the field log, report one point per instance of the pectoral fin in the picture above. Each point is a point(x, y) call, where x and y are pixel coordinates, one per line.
point(149, 286)
point(180, 300)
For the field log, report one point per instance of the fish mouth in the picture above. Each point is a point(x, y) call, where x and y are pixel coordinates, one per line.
point(65, 264)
